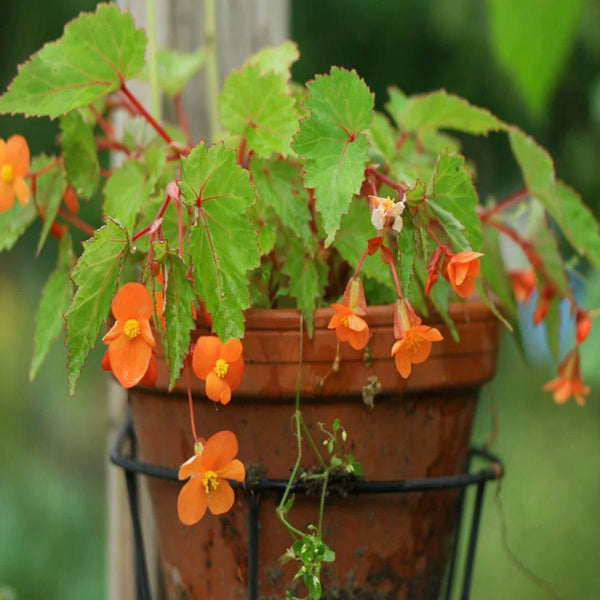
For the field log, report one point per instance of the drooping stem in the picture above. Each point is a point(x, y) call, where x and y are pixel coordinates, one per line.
point(520, 195)
point(190, 401)
point(105, 125)
point(400, 187)
point(212, 67)
point(33, 175)
point(152, 68)
point(144, 113)
point(396, 282)
point(156, 222)
point(78, 223)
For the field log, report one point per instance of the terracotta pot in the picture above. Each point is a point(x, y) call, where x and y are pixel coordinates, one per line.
point(388, 547)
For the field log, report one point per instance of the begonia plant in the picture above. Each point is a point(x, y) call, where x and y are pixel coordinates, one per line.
point(307, 197)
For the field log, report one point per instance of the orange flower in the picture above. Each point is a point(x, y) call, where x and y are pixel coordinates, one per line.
point(349, 327)
point(583, 324)
point(524, 283)
point(220, 364)
point(569, 381)
point(208, 471)
point(414, 347)
point(461, 271)
point(543, 304)
point(149, 379)
point(14, 164)
point(130, 341)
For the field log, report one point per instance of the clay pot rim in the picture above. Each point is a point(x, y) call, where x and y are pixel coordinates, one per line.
point(289, 318)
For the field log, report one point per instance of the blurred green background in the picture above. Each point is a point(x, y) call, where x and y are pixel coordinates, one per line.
point(535, 63)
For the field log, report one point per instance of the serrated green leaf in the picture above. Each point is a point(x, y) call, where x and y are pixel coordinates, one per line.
point(179, 299)
point(301, 267)
point(440, 110)
point(334, 142)
point(80, 154)
point(14, 222)
point(454, 192)
point(351, 241)
point(54, 302)
point(223, 243)
point(95, 55)
point(175, 68)
point(276, 58)
point(452, 226)
point(129, 187)
point(540, 31)
point(96, 275)
point(50, 188)
point(407, 251)
point(416, 193)
point(257, 107)
point(266, 238)
point(397, 106)
point(279, 186)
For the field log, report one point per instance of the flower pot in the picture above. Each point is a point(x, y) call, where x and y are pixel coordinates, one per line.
point(392, 547)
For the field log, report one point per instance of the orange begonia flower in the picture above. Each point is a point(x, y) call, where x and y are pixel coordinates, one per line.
point(569, 381)
point(461, 271)
point(149, 379)
point(130, 341)
point(543, 304)
point(220, 364)
point(208, 471)
point(14, 164)
point(523, 283)
point(349, 327)
point(414, 347)
point(583, 325)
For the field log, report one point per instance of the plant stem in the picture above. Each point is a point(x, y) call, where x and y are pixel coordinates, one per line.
point(45, 169)
point(105, 125)
point(212, 68)
point(190, 401)
point(312, 443)
point(151, 30)
point(144, 113)
point(396, 185)
point(78, 223)
point(485, 215)
point(322, 501)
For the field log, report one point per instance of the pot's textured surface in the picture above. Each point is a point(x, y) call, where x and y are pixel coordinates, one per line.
point(388, 547)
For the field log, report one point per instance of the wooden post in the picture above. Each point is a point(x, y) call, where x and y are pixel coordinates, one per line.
point(243, 27)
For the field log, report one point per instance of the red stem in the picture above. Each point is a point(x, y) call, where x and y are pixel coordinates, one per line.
point(182, 118)
point(396, 282)
point(155, 221)
point(516, 197)
point(190, 401)
point(49, 167)
point(104, 124)
point(396, 185)
point(241, 152)
point(144, 113)
point(78, 223)
point(102, 144)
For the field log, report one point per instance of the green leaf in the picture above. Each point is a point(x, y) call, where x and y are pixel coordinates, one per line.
point(407, 251)
point(95, 274)
point(129, 187)
point(14, 222)
point(351, 242)
point(278, 59)
point(49, 193)
point(440, 110)
point(267, 237)
point(397, 106)
point(95, 55)
point(257, 107)
point(531, 40)
point(279, 186)
point(383, 137)
point(552, 323)
point(301, 267)
point(54, 302)
point(179, 299)
point(175, 68)
point(80, 154)
point(453, 192)
point(334, 142)
point(453, 228)
point(223, 243)
point(494, 273)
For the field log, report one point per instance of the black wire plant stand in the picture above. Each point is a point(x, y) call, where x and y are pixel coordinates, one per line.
point(477, 479)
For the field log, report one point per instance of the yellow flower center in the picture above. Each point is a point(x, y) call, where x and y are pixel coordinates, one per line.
point(210, 481)
point(131, 328)
point(388, 204)
point(221, 368)
point(7, 173)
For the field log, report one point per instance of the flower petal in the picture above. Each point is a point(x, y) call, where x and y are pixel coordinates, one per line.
point(133, 301)
point(358, 339)
point(421, 351)
point(192, 501)
point(458, 271)
point(7, 196)
point(129, 359)
point(21, 190)
point(234, 470)
point(403, 364)
point(217, 389)
point(433, 334)
point(192, 466)
point(221, 499)
point(220, 449)
point(206, 354)
point(231, 350)
point(17, 154)
point(146, 332)
point(234, 373)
